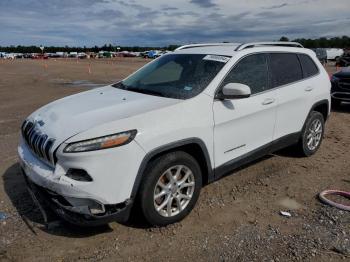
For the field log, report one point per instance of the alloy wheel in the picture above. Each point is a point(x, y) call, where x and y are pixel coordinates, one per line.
point(314, 134)
point(174, 190)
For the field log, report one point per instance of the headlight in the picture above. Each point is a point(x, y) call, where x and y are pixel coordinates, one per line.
point(102, 142)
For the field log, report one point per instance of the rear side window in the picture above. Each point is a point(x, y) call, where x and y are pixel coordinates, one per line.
point(251, 71)
point(309, 67)
point(285, 69)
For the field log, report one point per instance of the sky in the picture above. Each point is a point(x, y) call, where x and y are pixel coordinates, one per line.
point(160, 23)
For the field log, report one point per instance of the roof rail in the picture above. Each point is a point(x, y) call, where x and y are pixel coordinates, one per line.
point(206, 44)
point(256, 44)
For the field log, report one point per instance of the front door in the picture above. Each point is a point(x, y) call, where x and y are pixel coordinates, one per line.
point(242, 126)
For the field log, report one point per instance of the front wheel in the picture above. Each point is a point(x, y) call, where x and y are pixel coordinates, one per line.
point(312, 134)
point(170, 188)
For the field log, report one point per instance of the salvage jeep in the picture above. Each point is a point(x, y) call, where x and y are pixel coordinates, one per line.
point(152, 140)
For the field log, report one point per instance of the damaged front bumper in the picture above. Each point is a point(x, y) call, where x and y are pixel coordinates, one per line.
point(71, 200)
point(81, 214)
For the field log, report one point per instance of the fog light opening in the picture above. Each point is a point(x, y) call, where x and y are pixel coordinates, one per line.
point(78, 175)
point(97, 210)
point(86, 206)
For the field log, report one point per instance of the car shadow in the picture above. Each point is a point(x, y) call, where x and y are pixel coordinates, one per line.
point(15, 188)
point(291, 151)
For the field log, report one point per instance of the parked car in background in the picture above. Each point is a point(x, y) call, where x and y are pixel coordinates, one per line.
point(40, 56)
point(126, 54)
point(182, 121)
point(162, 53)
point(82, 55)
point(10, 56)
point(340, 91)
point(27, 55)
point(321, 54)
point(144, 54)
point(343, 61)
point(73, 54)
point(19, 55)
point(153, 54)
point(61, 54)
point(334, 53)
point(53, 55)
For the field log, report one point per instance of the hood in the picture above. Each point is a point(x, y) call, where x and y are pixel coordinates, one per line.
point(71, 115)
point(345, 72)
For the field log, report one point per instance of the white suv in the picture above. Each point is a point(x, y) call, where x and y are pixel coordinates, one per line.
point(181, 121)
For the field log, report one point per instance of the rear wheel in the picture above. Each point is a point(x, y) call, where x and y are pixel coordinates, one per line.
point(312, 134)
point(170, 188)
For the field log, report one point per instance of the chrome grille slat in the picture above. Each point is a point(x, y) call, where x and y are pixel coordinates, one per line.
point(42, 147)
point(39, 143)
point(36, 144)
point(47, 149)
point(28, 129)
point(33, 139)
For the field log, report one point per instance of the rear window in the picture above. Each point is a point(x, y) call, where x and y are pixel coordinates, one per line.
point(309, 67)
point(285, 69)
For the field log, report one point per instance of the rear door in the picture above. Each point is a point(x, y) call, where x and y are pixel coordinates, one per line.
point(295, 92)
point(243, 125)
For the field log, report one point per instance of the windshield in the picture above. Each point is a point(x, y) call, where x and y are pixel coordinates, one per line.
point(179, 76)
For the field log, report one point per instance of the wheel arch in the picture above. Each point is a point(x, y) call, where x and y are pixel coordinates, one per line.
point(321, 107)
point(193, 146)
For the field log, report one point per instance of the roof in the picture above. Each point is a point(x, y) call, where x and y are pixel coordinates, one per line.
point(229, 49)
point(214, 50)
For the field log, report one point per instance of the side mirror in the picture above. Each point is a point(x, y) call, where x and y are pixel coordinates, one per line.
point(234, 91)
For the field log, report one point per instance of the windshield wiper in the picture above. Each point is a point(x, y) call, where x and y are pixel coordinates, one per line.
point(144, 91)
point(120, 85)
point(138, 90)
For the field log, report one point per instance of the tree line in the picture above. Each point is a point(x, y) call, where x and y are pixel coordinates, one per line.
point(96, 49)
point(323, 42)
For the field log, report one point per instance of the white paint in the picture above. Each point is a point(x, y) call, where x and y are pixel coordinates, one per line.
point(217, 58)
point(240, 124)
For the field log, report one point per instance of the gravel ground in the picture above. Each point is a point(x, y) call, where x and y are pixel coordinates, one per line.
point(236, 219)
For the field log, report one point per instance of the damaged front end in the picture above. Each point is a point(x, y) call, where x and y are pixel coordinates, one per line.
point(77, 211)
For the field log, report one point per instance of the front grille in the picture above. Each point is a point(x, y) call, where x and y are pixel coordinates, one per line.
point(344, 83)
point(39, 143)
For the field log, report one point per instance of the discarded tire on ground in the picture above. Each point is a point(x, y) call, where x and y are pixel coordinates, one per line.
point(324, 199)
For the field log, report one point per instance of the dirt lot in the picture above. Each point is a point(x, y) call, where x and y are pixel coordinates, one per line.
point(236, 219)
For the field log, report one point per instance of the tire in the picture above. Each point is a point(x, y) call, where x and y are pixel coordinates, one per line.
point(306, 146)
point(156, 181)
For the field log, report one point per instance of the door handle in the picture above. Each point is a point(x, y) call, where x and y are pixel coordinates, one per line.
point(268, 101)
point(309, 88)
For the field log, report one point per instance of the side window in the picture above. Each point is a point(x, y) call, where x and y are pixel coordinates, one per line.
point(285, 69)
point(309, 67)
point(251, 71)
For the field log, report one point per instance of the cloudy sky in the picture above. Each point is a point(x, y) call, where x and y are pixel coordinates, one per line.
point(159, 22)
